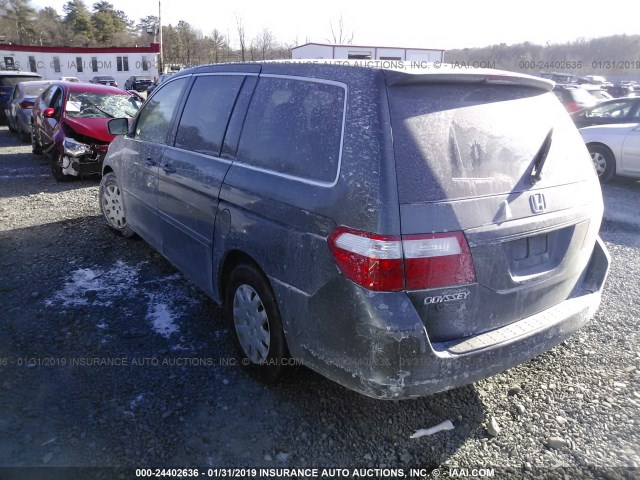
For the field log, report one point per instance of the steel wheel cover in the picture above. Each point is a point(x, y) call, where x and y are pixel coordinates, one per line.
point(252, 324)
point(112, 206)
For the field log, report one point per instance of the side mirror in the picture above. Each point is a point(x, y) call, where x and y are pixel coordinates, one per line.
point(49, 112)
point(118, 126)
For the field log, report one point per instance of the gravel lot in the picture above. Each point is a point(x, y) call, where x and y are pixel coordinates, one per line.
point(73, 296)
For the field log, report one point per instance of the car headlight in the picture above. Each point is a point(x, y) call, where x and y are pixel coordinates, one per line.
point(73, 148)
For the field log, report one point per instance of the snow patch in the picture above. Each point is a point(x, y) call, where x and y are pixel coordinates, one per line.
point(161, 317)
point(96, 287)
point(168, 297)
point(136, 401)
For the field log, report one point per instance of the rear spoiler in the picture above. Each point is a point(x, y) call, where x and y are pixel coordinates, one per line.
point(396, 78)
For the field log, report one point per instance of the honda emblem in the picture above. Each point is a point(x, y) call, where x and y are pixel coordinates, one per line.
point(538, 203)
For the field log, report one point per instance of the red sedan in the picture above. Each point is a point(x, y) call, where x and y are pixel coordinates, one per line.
point(69, 123)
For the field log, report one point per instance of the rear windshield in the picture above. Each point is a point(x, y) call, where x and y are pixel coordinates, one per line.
point(11, 80)
point(34, 90)
point(461, 141)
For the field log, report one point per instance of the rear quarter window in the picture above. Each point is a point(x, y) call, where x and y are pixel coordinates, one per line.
point(294, 127)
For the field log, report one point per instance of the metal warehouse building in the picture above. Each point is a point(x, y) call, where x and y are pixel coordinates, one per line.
point(357, 52)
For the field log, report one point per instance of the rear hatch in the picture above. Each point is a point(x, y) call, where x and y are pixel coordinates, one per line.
point(498, 160)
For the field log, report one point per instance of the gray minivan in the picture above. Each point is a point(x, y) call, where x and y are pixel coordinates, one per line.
point(402, 232)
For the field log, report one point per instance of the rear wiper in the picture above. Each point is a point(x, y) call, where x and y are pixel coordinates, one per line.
point(538, 161)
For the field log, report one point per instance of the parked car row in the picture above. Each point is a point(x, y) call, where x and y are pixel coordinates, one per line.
point(402, 209)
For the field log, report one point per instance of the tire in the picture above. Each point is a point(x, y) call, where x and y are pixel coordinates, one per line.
point(11, 129)
point(36, 148)
point(112, 206)
point(255, 323)
point(55, 160)
point(25, 136)
point(603, 161)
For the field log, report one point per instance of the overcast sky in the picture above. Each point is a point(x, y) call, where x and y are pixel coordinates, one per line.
point(426, 24)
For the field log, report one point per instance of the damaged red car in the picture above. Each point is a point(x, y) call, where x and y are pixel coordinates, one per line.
point(69, 124)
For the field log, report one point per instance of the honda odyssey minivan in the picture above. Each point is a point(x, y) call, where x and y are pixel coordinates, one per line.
point(402, 232)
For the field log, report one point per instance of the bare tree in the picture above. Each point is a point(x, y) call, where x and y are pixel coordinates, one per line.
point(263, 43)
point(253, 50)
point(339, 35)
point(218, 43)
point(241, 37)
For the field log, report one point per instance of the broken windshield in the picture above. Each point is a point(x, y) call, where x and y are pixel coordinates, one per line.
point(101, 105)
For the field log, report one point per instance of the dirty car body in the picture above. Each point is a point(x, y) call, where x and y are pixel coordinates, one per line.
point(414, 231)
point(69, 123)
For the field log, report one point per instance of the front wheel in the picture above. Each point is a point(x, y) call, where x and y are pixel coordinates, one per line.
point(254, 318)
point(112, 206)
point(603, 161)
point(36, 148)
point(55, 159)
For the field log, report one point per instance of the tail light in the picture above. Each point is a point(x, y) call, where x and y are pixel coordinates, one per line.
point(26, 104)
point(392, 263)
point(437, 260)
point(573, 107)
point(372, 261)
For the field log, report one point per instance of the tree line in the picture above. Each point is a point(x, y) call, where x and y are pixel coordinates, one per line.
point(104, 26)
point(616, 55)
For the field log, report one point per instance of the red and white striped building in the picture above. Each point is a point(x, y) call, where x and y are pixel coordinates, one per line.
point(84, 63)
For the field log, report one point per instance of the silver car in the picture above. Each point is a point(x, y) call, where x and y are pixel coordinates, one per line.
point(20, 105)
point(614, 149)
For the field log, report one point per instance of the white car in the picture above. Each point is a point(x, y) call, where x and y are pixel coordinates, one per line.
point(614, 149)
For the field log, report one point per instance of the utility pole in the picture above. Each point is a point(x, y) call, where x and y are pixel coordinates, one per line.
point(161, 63)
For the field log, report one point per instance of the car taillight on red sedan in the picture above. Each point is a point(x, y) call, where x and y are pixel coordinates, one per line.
point(411, 262)
point(573, 107)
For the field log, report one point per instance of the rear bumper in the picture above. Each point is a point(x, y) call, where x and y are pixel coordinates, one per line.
point(24, 121)
point(380, 347)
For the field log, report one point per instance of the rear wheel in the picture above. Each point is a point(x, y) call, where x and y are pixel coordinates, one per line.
point(254, 318)
point(112, 206)
point(603, 161)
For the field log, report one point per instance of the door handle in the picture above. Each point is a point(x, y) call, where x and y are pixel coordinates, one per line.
point(149, 162)
point(168, 168)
